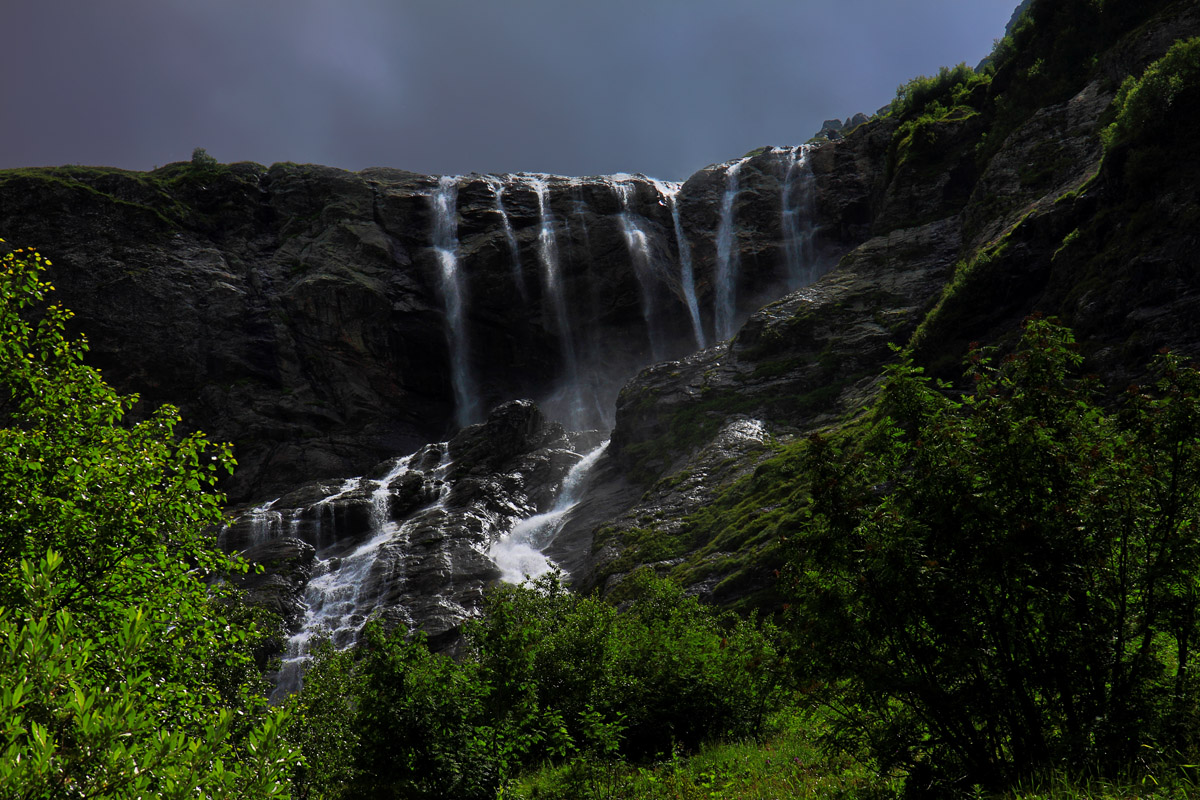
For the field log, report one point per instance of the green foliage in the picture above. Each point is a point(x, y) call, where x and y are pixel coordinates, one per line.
point(119, 658)
point(680, 673)
point(950, 87)
point(1006, 583)
point(549, 676)
point(201, 158)
point(1053, 51)
point(67, 734)
point(1148, 106)
point(390, 719)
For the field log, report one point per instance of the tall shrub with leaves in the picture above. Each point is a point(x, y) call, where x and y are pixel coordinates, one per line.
point(390, 719)
point(548, 676)
point(121, 676)
point(1007, 582)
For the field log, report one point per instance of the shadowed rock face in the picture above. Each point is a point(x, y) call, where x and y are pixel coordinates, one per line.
point(301, 313)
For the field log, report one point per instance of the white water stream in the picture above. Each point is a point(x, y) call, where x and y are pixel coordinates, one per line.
point(334, 604)
point(518, 553)
point(725, 279)
point(637, 242)
point(552, 283)
point(796, 208)
point(509, 235)
point(445, 244)
point(687, 274)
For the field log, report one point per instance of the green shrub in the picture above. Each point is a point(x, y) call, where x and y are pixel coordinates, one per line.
point(201, 158)
point(120, 674)
point(667, 671)
point(1008, 583)
point(1148, 106)
point(393, 720)
point(950, 87)
point(549, 677)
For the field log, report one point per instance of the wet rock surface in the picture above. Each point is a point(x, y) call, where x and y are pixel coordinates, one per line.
point(409, 541)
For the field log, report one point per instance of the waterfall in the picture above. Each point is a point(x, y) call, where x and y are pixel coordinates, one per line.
point(687, 276)
point(265, 524)
point(445, 244)
point(727, 258)
point(638, 245)
point(552, 282)
point(797, 216)
point(592, 382)
point(334, 601)
point(510, 235)
point(518, 553)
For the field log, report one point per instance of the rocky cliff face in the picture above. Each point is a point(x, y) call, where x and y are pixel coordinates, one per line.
point(957, 245)
point(331, 324)
point(314, 317)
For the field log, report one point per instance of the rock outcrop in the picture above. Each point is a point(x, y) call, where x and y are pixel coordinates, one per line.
point(410, 540)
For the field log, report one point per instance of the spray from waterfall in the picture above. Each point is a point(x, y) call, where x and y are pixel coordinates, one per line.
point(445, 245)
point(510, 235)
point(687, 275)
point(518, 553)
point(637, 242)
point(797, 210)
point(725, 280)
point(552, 283)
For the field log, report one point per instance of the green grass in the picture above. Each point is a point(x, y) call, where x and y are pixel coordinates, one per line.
point(788, 763)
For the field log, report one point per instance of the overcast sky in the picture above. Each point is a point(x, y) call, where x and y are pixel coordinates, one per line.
point(577, 87)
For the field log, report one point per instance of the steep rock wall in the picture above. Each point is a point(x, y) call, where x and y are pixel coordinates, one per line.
point(301, 312)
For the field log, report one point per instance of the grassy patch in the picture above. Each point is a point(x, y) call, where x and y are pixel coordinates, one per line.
point(787, 763)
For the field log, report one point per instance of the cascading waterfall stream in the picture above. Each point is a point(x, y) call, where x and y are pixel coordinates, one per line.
point(265, 524)
point(510, 235)
point(334, 604)
point(726, 276)
point(445, 244)
point(551, 280)
point(687, 275)
point(638, 244)
point(518, 553)
point(797, 216)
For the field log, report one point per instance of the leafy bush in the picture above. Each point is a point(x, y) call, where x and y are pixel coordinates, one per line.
point(1008, 582)
point(667, 671)
point(550, 676)
point(951, 86)
point(1147, 106)
point(120, 676)
point(202, 159)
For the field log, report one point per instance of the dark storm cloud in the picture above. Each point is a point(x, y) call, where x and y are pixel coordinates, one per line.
point(454, 86)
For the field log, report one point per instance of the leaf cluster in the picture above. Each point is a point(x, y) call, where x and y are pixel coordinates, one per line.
point(1146, 105)
point(950, 87)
